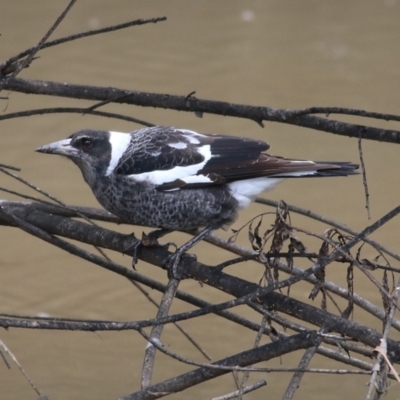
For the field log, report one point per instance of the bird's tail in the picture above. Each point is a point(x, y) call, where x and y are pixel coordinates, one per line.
point(335, 168)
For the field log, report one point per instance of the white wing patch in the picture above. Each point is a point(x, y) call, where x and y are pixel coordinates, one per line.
point(192, 140)
point(170, 175)
point(119, 143)
point(179, 145)
point(196, 179)
point(190, 135)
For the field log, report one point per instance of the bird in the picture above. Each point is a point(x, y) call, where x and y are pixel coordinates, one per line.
point(180, 180)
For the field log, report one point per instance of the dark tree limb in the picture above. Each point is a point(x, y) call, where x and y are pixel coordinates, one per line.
point(244, 291)
point(23, 208)
point(195, 105)
point(253, 356)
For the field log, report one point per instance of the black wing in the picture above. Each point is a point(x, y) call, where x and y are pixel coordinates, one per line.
point(174, 158)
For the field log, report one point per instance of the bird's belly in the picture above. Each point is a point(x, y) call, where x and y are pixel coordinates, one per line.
point(141, 204)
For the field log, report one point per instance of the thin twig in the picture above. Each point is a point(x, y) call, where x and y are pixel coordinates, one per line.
point(218, 365)
point(364, 175)
point(344, 253)
point(345, 111)
point(73, 110)
point(242, 391)
point(10, 353)
point(257, 341)
point(211, 371)
point(80, 36)
point(177, 326)
point(10, 167)
point(376, 369)
point(58, 202)
point(304, 362)
point(238, 260)
point(150, 353)
point(234, 261)
point(329, 221)
point(35, 49)
point(361, 302)
point(339, 342)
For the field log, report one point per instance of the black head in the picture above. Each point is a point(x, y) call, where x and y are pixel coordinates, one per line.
point(90, 150)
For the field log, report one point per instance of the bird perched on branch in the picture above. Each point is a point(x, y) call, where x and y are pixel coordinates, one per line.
point(178, 179)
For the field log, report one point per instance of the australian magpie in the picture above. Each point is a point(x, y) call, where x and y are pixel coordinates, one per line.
point(178, 179)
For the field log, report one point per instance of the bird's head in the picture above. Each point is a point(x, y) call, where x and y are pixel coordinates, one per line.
point(90, 150)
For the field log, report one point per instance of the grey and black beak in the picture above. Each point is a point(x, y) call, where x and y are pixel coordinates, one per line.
point(62, 148)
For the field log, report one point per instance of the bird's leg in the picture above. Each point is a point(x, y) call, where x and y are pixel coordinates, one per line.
point(173, 261)
point(151, 239)
point(148, 240)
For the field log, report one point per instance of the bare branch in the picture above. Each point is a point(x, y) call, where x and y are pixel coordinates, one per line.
point(195, 105)
point(25, 63)
point(6, 67)
point(263, 353)
point(73, 110)
point(244, 291)
point(150, 354)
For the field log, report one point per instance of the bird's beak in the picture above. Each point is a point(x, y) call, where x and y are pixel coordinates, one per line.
point(62, 147)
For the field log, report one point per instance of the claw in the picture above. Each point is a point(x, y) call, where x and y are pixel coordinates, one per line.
point(135, 246)
point(148, 240)
point(171, 264)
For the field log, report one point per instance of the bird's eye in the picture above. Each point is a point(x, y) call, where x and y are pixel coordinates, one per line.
point(86, 142)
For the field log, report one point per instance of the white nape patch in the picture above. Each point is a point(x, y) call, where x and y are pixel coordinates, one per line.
point(170, 175)
point(245, 191)
point(119, 143)
point(179, 145)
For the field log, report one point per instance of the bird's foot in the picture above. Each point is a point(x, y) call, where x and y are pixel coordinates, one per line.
point(148, 240)
point(172, 263)
point(135, 246)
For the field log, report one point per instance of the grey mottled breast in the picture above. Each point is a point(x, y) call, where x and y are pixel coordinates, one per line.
point(141, 204)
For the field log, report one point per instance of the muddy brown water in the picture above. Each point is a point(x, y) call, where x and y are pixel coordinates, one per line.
point(273, 53)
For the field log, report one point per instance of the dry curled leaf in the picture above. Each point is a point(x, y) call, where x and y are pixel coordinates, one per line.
point(350, 293)
point(368, 264)
point(254, 236)
point(296, 244)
